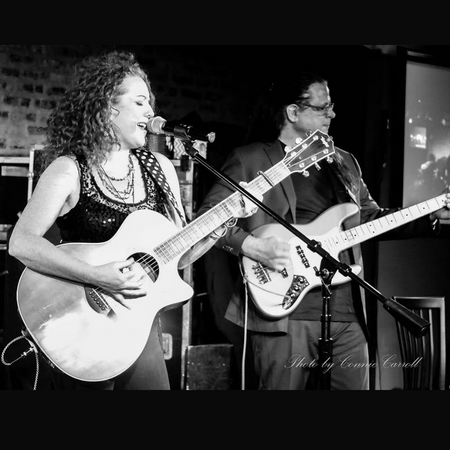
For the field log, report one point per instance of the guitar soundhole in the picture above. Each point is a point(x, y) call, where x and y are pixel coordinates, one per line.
point(99, 301)
point(148, 263)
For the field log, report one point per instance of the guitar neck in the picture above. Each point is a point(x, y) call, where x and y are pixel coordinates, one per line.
point(218, 215)
point(348, 238)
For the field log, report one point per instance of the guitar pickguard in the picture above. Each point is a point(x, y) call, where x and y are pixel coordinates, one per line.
point(294, 288)
point(298, 285)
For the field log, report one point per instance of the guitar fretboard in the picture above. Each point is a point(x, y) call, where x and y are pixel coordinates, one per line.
point(297, 159)
point(349, 238)
point(218, 215)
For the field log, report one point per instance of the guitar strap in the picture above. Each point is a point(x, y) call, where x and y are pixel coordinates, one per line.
point(344, 195)
point(154, 168)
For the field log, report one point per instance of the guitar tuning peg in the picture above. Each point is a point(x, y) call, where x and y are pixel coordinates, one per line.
point(309, 133)
point(317, 166)
point(298, 140)
point(324, 142)
point(287, 149)
point(329, 159)
point(305, 174)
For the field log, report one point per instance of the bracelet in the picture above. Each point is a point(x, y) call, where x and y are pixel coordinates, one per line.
point(231, 222)
point(214, 236)
point(228, 224)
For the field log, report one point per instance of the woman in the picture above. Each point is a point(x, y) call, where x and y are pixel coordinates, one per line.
point(96, 176)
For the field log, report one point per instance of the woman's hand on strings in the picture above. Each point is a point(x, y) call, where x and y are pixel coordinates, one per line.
point(122, 279)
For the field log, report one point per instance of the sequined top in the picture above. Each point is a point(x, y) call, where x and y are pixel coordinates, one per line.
point(96, 217)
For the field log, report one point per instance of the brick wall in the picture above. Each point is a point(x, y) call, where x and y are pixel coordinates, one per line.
point(33, 78)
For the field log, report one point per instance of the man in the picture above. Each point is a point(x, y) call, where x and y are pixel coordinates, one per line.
point(286, 349)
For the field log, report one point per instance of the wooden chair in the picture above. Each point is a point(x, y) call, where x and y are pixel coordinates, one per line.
point(424, 357)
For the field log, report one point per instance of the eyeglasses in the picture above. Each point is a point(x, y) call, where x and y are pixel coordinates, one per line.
point(321, 110)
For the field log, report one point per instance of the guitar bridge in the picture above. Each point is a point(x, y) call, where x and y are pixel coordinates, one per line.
point(299, 283)
point(261, 273)
point(97, 301)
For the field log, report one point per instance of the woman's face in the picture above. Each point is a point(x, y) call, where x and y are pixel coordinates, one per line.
point(131, 113)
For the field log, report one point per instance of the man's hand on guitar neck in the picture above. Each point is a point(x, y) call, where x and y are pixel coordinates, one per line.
point(443, 213)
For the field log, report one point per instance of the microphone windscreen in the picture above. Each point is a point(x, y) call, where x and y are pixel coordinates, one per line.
point(155, 124)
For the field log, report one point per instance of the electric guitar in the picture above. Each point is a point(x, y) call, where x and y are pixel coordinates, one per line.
point(82, 330)
point(277, 294)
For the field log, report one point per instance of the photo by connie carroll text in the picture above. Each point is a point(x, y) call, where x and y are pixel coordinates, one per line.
point(348, 362)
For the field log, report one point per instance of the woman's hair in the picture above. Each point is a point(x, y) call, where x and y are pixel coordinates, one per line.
point(81, 123)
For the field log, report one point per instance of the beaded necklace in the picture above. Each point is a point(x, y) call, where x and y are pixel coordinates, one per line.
point(120, 194)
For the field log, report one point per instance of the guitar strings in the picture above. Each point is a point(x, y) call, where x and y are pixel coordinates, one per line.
point(276, 172)
point(277, 275)
point(151, 262)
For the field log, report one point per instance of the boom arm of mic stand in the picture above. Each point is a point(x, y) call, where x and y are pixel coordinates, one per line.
point(414, 323)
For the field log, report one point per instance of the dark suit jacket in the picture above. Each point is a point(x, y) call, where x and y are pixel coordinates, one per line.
point(243, 164)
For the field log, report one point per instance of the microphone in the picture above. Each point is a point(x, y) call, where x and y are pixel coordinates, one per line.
point(158, 125)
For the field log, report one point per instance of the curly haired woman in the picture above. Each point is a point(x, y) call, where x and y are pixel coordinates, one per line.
point(97, 175)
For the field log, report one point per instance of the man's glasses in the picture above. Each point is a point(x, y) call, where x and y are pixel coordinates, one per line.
point(321, 110)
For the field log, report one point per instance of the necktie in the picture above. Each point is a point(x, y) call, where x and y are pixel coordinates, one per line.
point(153, 166)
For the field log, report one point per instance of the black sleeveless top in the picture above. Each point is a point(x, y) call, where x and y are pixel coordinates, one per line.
point(97, 217)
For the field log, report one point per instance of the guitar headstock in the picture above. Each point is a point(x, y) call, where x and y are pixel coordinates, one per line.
point(309, 152)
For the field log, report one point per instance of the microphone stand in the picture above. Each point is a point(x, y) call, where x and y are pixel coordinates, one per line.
point(414, 323)
point(325, 360)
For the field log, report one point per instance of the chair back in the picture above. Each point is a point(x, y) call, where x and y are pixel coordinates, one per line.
point(424, 357)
